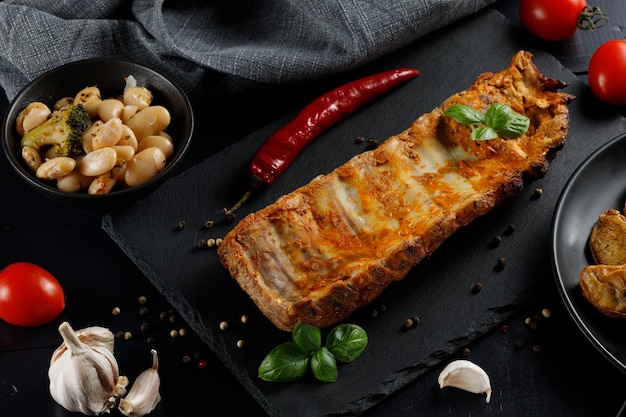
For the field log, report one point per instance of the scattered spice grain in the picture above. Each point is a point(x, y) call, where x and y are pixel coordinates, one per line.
point(501, 264)
point(411, 322)
point(181, 225)
point(116, 311)
point(510, 229)
point(495, 242)
point(224, 325)
point(372, 143)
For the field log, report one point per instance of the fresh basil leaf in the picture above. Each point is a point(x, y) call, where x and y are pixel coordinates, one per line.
point(308, 337)
point(346, 342)
point(324, 366)
point(497, 116)
point(465, 114)
point(499, 121)
point(515, 127)
point(484, 133)
point(286, 362)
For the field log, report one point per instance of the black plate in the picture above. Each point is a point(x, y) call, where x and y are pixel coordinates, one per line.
point(598, 184)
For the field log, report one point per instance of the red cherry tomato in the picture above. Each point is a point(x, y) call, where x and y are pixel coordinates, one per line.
point(607, 72)
point(29, 295)
point(552, 20)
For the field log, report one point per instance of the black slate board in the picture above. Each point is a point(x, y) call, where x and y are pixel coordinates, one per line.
point(439, 290)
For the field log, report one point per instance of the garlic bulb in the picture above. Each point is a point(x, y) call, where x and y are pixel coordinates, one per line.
point(467, 376)
point(84, 378)
point(91, 336)
point(144, 395)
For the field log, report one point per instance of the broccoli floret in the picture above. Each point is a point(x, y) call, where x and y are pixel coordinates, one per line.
point(63, 131)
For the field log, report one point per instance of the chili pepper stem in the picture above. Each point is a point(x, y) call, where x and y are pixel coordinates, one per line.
point(233, 209)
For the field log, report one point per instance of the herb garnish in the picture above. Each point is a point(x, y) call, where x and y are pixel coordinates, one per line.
point(499, 121)
point(290, 360)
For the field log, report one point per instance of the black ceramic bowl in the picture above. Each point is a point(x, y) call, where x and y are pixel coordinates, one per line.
point(108, 74)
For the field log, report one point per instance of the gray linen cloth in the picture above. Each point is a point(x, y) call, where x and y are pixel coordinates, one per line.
point(236, 44)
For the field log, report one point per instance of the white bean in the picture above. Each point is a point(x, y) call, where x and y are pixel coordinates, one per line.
point(110, 108)
point(128, 138)
point(160, 142)
point(108, 135)
point(56, 167)
point(149, 121)
point(88, 135)
point(90, 98)
point(144, 165)
point(73, 182)
point(137, 96)
point(124, 154)
point(98, 162)
point(63, 102)
point(32, 116)
point(166, 135)
point(102, 184)
point(31, 157)
point(128, 112)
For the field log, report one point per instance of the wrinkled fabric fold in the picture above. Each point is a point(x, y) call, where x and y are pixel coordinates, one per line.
point(239, 43)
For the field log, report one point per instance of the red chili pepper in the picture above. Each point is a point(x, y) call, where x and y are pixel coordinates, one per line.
point(282, 147)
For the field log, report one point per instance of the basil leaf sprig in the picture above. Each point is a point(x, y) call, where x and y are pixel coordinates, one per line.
point(499, 121)
point(289, 361)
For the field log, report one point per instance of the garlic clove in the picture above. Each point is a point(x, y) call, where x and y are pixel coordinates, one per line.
point(467, 376)
point(83, 378)
point(144, 394)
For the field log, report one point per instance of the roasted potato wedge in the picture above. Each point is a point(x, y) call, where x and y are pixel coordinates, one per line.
point(607, 242)
point(604, 286)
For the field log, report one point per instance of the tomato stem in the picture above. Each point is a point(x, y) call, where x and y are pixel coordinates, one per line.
point(592, 18)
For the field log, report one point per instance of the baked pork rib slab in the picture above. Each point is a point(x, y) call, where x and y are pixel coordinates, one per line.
point(332, 246)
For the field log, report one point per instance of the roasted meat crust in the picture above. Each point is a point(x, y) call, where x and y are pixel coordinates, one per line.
point(332, 246)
